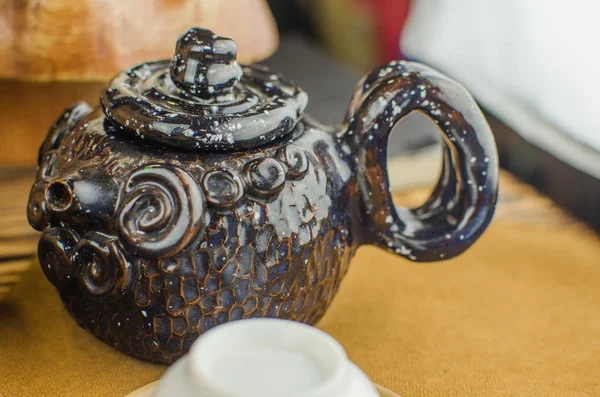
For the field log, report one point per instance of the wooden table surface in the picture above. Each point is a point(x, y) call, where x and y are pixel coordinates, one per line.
point(517, 315)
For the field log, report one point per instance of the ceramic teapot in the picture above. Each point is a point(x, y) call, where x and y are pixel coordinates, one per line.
point(198, 193)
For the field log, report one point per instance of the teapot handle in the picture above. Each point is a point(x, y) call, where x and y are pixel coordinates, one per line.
point(463, 202)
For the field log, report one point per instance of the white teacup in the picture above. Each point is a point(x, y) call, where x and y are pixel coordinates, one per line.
point(265, 358)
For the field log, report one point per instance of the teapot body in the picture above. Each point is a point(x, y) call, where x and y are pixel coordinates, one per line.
point(199, 193)
point(149, 247)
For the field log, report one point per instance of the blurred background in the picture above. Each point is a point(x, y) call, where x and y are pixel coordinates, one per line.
point(517, 315)
point(529, 63)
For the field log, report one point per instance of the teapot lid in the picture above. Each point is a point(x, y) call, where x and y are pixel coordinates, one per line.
point(203, 99)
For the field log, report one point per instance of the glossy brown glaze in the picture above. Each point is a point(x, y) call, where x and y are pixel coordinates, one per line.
point(151, 245)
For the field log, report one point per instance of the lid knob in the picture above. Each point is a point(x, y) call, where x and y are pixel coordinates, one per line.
point(202, 99)
point(204, 64)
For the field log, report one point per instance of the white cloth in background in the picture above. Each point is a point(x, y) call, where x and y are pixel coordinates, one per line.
point(522, 59)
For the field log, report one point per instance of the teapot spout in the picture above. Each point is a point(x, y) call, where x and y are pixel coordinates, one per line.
point(86, 199)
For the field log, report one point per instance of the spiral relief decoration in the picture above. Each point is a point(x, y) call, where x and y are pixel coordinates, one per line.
point(54, 252)
point(161, 211)
point(102, 270)
point(37, 211)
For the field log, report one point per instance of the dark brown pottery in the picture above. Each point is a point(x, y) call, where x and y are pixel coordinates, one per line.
point(199, 193)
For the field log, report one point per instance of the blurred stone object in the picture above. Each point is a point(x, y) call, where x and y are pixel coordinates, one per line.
point(53, 52)
point(91, 40)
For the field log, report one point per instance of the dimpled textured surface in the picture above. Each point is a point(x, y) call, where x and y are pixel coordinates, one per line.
point(280, 255)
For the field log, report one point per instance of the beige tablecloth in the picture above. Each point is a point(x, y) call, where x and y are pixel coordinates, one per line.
point(517, 315)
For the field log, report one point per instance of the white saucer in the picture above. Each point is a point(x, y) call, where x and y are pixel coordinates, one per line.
point(146, 391)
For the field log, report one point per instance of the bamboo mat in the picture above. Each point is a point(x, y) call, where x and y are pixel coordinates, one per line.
point(18, 241)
